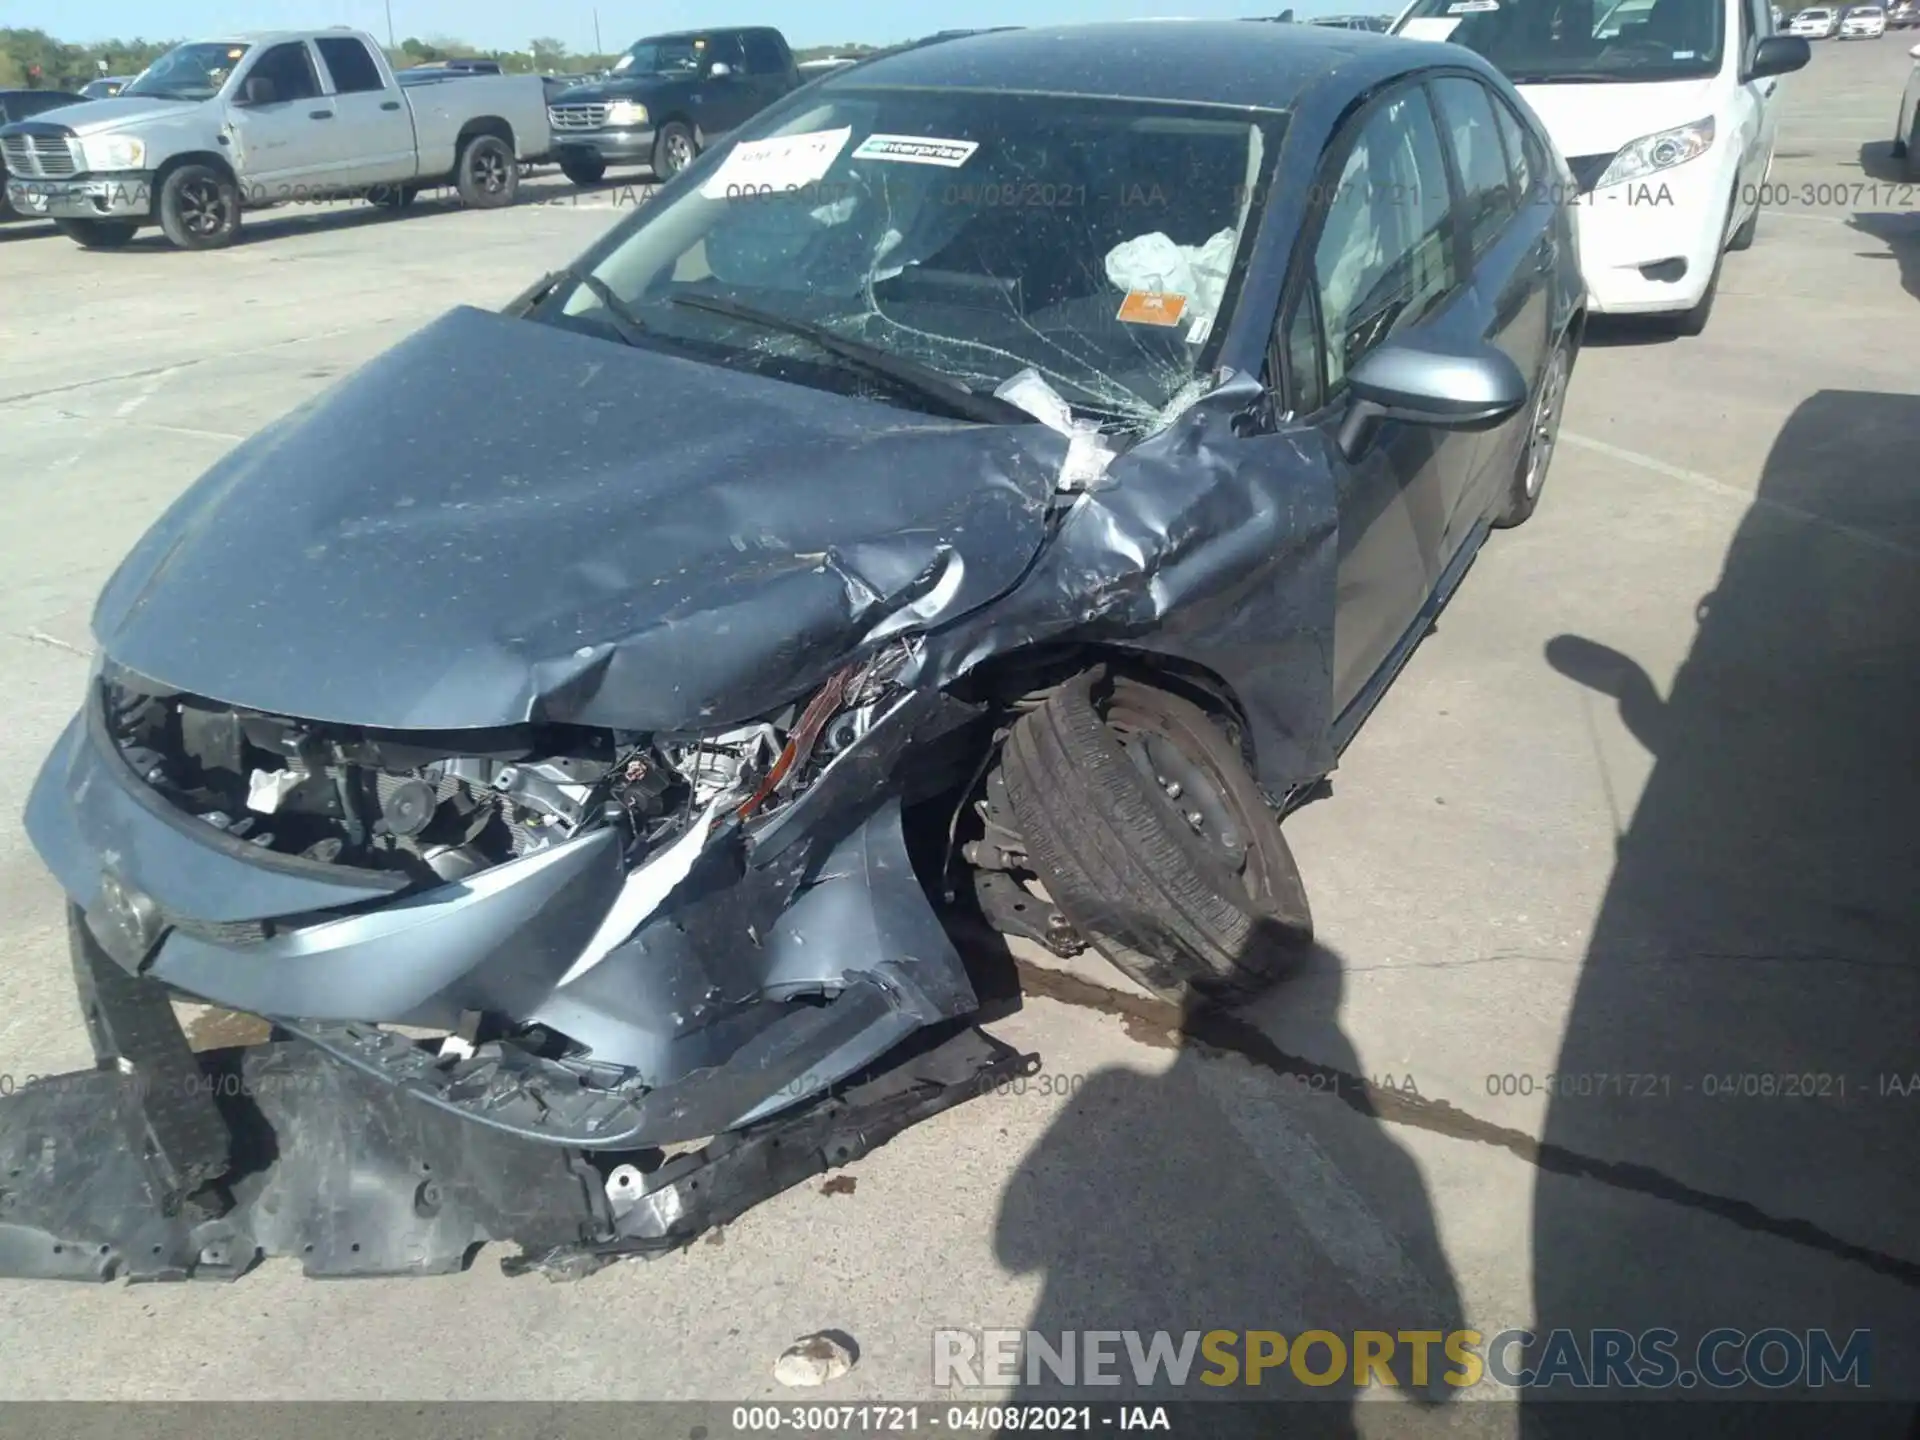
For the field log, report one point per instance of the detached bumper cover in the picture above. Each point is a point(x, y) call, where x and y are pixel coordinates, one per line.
point(163, 1165)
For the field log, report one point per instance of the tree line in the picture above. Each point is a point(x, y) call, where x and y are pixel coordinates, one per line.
point(35, 60)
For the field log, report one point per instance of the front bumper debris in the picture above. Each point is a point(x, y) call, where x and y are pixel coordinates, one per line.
point(163, 1165)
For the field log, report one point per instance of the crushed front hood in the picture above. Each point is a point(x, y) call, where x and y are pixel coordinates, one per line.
point(499, 520)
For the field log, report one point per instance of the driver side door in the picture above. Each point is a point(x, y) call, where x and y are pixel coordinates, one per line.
point(285, 144)
point(1382, 260)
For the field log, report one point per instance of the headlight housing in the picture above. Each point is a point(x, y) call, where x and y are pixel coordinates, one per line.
point(1659, 151)
point(114, 152)
point(626, 112)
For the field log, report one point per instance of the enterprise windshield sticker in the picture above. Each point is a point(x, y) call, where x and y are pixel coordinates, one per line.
point(916, 150)
point(771, 167)
point(1472, 7)
point(1152, 307)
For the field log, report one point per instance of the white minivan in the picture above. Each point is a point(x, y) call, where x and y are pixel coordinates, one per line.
point(1665, 111)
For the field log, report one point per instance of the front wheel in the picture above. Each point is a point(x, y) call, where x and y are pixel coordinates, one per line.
point(97, 234)
point(199, 208)
point(1140, 818)
point(583, 169)
point(674, 148)
point(487, 175)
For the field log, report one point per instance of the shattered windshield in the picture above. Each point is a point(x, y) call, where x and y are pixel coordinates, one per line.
point(973, 234)
point(1546, 42)
point(189, 72)
point(677, 56)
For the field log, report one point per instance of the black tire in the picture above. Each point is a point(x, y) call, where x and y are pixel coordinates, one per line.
point(1912, 150)
point(199, 207)
point(1743, 237)
point(1543, 435)
point(97, 234)
point(584, 169)
point(392, 198)
point(486, 175)
point(1139, 882)
point(673, 150)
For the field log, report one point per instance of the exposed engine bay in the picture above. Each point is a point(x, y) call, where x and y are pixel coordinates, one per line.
point(441, 808)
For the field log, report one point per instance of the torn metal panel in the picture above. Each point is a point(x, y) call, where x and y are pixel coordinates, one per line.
point(632, 539)
point(1204, 545)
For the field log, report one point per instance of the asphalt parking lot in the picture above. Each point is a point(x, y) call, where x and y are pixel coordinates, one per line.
point(1640, 811)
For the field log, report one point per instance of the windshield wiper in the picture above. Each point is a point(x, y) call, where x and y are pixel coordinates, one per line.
point(627, 325)
point(911, 375)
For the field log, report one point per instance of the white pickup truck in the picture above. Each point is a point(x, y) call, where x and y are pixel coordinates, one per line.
point(215, 127)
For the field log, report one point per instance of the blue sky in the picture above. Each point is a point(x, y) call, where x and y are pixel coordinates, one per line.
point(504, 24)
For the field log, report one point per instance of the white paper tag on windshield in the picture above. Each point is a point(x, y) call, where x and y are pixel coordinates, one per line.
point(1429, 28)
point(1472, 7)
point(770, 167)
point(916, 150)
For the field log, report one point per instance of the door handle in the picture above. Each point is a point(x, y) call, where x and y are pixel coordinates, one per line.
point(1769, 87)
point(389, 104)
point(319, 114)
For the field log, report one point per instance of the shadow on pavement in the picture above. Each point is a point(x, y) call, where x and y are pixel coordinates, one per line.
point(1246, 1191)
point(1746, 1030)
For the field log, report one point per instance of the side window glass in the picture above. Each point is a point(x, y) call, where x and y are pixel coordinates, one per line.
point(1302, 341)
point(1486, 198)
point(725, 50)
point(290, 69)
point(1522, 161)
point(763, 55)
point(350, 65)
point(1384, 257)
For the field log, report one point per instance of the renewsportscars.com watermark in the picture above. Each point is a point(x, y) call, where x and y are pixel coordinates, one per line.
point(1727, 1359)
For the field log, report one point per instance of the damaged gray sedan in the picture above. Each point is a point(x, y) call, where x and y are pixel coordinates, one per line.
point(997, 482)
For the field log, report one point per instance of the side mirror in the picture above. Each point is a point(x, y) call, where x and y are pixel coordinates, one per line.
point(1475, 388)
point(259, 90)
point(1779, 55)
point(1915, 52)
point(720, 69)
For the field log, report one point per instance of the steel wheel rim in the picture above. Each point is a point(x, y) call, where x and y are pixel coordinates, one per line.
point(1187, 787)
point(1545, 433)
point(203, 209)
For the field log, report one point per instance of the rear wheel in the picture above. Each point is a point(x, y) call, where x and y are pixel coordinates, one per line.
point(674, 149)
point(1543, 433)
point(1140, 818)
point(97, 234)
point(486, 175)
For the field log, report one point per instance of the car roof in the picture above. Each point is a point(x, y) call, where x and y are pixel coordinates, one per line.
point(703, 30)
point(1223, 62)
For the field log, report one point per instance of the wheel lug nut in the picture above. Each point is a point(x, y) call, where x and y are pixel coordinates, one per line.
point(1195, 819)
point(1172, 787)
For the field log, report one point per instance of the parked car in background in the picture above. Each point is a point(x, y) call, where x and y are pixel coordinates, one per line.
point(668, 98)
point(1904, 16)
point(1818, 23)
point(214, 127)
point(19, 105)
point(1666, 115)
point(1906, 126)
point(1863, 22)
point(106, 87)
